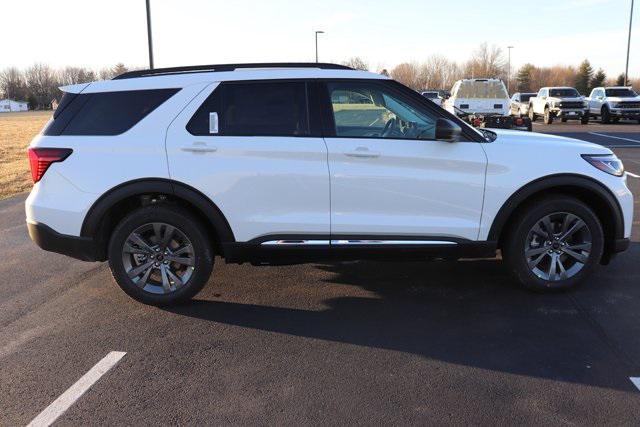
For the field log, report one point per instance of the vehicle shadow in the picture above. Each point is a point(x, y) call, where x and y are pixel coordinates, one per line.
point(468, 313)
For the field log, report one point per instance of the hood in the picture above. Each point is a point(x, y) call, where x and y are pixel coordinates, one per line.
point(543, 141)
point(566, 98)
point(622, 99)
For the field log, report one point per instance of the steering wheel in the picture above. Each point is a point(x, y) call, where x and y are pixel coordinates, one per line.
point(389, 127)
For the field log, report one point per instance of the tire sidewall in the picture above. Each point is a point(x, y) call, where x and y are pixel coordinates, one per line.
point(203, 254)
point(517, 237)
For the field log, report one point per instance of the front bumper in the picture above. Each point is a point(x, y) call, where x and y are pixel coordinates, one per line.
point(621, 112)
point(570, 114)
point(82, 248)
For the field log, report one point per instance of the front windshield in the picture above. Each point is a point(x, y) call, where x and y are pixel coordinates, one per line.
point(564, 93)
point(430, 95)
point(621, 92)
point(526, 96)
point(482, 89)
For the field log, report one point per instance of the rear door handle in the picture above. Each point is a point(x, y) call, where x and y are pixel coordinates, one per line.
point(363, 153)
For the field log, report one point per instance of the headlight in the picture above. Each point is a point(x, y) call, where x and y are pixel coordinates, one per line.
point(608, 163)
point(585, 104)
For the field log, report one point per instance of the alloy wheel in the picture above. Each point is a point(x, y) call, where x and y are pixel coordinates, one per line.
point(558, 246)
point(158, 258)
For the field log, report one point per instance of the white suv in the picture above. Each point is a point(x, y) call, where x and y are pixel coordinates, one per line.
point(158, 171)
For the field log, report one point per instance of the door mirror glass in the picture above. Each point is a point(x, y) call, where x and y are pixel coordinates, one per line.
point(213, 123)
point(448, 131)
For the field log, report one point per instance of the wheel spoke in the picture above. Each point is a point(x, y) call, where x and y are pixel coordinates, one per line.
point(166, 285)
point(575, 227)
point(568, 219)
point(535, 262)
point(142, 282)
point(552, 266)
point(535, 251)
point(546, 221)
point(140, 242)
point(176, 280)
point(580, 247)
point(139, 269)
point(180, 251)
point(563, 271)
point(578, 256)
point(168, 233)
point(180, 260)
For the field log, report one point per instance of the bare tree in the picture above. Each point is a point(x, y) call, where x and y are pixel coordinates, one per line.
point(486, 61)
point(74, 75)
point(12, 84)
point(438, 72)
point(407, 74)
point(357, 63)
point(42, 84)
point(110, 72)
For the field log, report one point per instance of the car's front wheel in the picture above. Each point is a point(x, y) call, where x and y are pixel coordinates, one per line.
point(160, 255)
point(548, 116)
point(554, 243)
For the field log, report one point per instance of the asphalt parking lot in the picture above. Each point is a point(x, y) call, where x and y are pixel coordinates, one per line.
point(357, 343)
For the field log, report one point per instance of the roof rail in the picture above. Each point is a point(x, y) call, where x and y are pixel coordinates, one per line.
point(227, 67)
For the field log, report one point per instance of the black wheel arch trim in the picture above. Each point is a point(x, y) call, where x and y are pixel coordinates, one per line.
point(96, 215)
point(554, 181)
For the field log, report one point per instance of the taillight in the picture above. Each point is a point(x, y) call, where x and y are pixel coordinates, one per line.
point(41, 158)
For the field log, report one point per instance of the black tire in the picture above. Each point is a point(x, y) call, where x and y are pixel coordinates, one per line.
point(563, 120)
point(548, 117)
point(201, 255)
point(532, 115)
point(615, 119)
point(605, 117)
point(584, 120)
point(513, 248)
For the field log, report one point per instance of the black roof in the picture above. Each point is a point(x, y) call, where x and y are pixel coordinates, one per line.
point(227, 67)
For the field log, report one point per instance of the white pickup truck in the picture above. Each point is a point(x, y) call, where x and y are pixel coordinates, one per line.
point(614, 103)
point(559, 102)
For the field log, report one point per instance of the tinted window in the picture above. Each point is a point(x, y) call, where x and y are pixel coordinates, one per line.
point(369, 110)
point(564, 93)
point(106, 113)
point(621, 92)
point(526, 96)
point(255, 109)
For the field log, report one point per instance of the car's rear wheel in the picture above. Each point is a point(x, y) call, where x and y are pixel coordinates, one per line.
point(532, 115)
point(563, 120)
point(548, 117)
point(160, 255)
point(584, 119)
point(554, 244)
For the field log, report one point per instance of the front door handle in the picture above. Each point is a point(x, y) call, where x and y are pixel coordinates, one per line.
point(363, 153)
point(199, 147)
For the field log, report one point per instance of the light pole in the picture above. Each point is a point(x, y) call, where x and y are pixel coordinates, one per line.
point(149, 36)
point(509, 69)
point(626, 69)
point(317, 32)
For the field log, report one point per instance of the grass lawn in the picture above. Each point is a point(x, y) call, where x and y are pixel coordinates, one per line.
point(16, 131)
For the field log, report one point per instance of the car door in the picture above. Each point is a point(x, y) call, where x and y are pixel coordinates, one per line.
point(389, 176)
point(515, 105)
point(250, 148)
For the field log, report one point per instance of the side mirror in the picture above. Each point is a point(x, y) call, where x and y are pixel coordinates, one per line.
point(448, 131)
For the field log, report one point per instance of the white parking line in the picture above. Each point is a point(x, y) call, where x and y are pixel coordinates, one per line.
point(615, 137)
point(73, 393)
point(633, 175)
point(635, 381)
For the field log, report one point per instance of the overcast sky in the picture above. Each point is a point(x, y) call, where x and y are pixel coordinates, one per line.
point(98, 33)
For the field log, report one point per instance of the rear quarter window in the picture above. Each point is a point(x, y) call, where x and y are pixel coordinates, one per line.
point(106, 113)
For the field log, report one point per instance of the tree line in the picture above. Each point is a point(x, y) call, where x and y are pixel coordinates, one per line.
point(38, 84)
point(438, 72)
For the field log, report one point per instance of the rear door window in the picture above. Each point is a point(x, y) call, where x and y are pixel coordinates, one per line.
point(272, 108)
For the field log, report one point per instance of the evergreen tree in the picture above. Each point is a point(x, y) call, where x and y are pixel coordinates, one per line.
point(598, 79)
point(620, 80)
point(524, 77)
point(583, 78)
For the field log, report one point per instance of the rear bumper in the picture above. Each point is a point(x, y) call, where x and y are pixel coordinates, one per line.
point(82, 248)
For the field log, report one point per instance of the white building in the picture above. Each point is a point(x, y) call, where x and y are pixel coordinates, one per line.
point(8, 105)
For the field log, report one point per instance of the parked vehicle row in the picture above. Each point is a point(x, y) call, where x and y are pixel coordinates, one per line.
point(485, 103)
